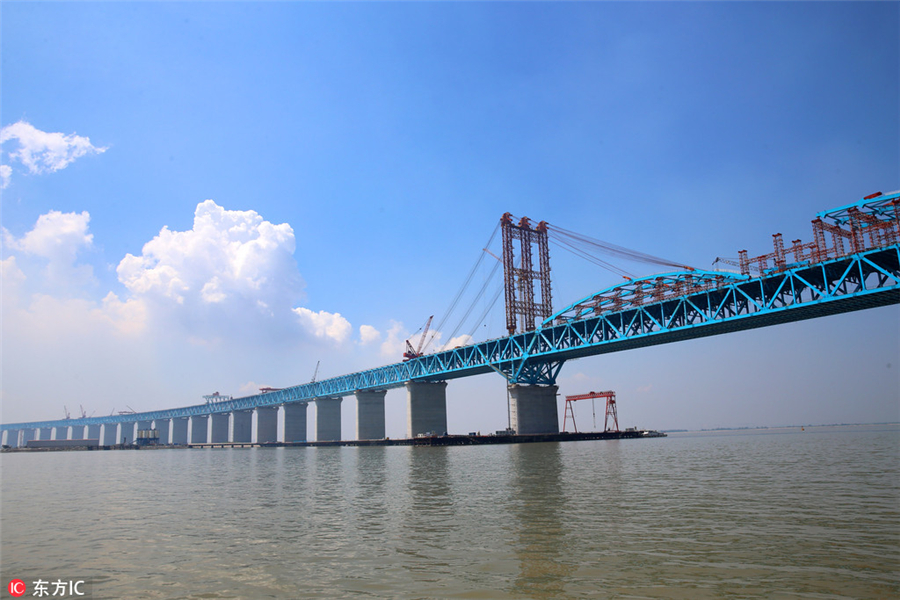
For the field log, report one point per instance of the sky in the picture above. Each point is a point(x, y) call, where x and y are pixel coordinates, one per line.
point(218, 196)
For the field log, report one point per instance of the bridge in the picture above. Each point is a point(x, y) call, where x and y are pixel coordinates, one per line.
point(852, 263)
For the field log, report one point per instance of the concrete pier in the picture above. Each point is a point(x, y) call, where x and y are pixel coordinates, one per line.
point(179, 431)
point(267, 424)
point(328, 419)
point(426, 407)
point(219, 430)
point(162, 428)
point(93, 432)
point(144, 425)
point(199, 426)
point(12, 438)
point(241, 426)
point(61, 433)
point(295, 422)
point(533, 409)
point(126, 432)
point(109, 436)
point(27, 436)
point(370, 414)
point(79, 432)
point(44, 433)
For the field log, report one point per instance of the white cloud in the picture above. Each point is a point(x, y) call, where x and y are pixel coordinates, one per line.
point(325, 325)
point(368, 334)
point(10, 272)
point(395, 343)
point(233, 273)
point(58, 237)
point(460, 340)
point(43, 152)
point(227, 255)
point(128, 317)
point(5, 175)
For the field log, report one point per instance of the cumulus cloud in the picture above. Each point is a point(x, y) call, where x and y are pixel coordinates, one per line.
point(395, 342)
point(232, 270)
point(58, 237)
point(228, 255)
point(368, 334)
point(10, 272)
point(325, 325)
point(460, 340)
point(42, 152)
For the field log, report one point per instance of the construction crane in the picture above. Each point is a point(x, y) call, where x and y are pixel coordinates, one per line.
point(68, 416)
point(611, 411)
point(316, 372)
point(416, 352)
point(214, 398)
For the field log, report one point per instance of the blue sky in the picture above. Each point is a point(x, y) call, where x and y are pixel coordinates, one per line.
point(377, 145)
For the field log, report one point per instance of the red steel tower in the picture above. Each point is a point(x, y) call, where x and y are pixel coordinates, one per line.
point(522, 299)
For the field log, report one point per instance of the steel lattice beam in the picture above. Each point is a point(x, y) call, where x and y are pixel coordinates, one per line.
point(855, 282)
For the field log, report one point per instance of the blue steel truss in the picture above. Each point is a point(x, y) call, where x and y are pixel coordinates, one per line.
point(711, 304)
point(654, 310)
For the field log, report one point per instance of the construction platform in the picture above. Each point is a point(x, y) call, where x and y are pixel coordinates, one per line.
point(427, 440)
point(459, 440)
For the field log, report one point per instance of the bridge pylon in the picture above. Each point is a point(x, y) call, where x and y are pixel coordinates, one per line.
point(525, 304)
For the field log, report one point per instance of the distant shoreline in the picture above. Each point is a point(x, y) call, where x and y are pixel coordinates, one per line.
point(763, 427)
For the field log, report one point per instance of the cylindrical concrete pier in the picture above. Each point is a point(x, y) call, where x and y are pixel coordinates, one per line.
point(179, 431)
point(328, 419)
point(28, 435)
point(61, 433)
point(241, 426)
point(126, 432)
point(370, 414)
point(109, 436)
point(533, 408)
point(162, 429)
point(12, 438)
point(45, 433)
point(199, 427)
point(78, 432)
point(295, 422)
point(219, 430)
point(93, 432)
point(426, 408)
point(267, 424)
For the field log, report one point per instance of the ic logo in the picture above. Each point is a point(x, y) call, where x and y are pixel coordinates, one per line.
point(17, 588)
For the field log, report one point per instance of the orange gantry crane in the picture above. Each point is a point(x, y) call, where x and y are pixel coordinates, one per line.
point(610, 398)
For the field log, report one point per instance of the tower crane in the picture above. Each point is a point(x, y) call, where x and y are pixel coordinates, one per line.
point(416, 352)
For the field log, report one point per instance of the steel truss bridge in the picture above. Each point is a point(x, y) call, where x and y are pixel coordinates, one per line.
point(821, 280)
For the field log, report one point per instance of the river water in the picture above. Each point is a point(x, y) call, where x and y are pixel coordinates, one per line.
point(749, 514)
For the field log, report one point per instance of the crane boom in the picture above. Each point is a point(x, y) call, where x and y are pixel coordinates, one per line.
point(416, 352)
point(424, 334)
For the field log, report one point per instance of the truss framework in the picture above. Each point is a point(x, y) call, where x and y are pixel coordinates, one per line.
point(863, 280)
